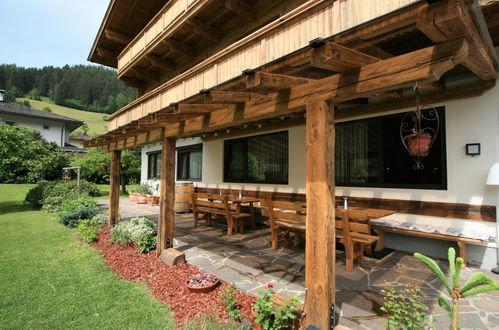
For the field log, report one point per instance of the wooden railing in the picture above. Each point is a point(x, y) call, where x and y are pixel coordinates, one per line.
point(315, 18)
point(170, 16)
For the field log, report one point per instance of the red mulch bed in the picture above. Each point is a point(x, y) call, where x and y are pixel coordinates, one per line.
point(168, 283)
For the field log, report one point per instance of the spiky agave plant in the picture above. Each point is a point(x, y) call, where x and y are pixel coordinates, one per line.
point(478, 283)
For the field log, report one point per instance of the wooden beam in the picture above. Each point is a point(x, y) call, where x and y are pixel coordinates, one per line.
point(451, 20)
point(241, 9)
point(338, 58)
point(114, 189)
point(273, 81)
point(132, 82)
point(227, 97)
point(320, 246)
point(204, 30)
point(144, 74)
point(180, 48)
point(117, 37)
point(163, 64)
point(435, 97)
point(174, 117)
point(424, 65)
point(107, 53)
point(167, 196)
point(200, 108)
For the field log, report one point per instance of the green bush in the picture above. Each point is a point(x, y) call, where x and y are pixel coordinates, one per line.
point(142, 189)
point(87, 231)
point(35, 195)
point(146, 243)
point(138, 230)
point(100, 219)
point(57, 192)
point(73, 218)
point(69, 205)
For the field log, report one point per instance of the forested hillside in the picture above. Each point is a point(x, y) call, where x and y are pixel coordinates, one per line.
point(85, 87)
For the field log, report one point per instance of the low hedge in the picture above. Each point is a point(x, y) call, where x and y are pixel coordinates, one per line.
point(73, 218)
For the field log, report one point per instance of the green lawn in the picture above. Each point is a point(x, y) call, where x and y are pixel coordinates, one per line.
point(49, 280)
point(94, 120)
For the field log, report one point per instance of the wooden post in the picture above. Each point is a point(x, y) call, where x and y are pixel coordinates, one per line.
point(167, 198)
point(320, 234)
point(114, 189)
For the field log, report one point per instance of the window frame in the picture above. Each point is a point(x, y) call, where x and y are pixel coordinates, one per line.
point(245, 151)
point(188, 150)
point(383, 184)
point(150, 155)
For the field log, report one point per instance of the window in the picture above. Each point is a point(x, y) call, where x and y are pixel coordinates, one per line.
point(369, 153)
point(189, 162)
point(154, 165)
point(46, 127)
point(257, 159)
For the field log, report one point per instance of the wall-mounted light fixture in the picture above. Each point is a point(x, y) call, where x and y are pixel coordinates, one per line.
point(473, 149)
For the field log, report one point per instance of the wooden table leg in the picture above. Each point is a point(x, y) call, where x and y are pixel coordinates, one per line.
point(380, 243)
point(462, 252)
point(252, 212)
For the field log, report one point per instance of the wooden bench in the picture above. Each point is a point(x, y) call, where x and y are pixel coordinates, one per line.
point(352, 228)
point(208, 207)
point(354, 232)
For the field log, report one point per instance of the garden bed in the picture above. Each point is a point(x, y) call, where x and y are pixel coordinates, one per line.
point(168, 283)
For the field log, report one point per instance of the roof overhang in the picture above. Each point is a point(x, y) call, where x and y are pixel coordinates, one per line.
point(448, 41)
point(123, 20)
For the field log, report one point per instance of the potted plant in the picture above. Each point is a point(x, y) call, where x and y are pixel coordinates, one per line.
point(202, 282)
point(418, 144)
point(141, 192)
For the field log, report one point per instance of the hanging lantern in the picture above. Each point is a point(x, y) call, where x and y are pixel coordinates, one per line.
point(66, 175)
point(418, 130)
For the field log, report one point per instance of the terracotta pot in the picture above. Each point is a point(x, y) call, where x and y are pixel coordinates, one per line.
point(419, 144)
point(103, 168)
point(141, 199)
point(133, 197)
point(203, 289)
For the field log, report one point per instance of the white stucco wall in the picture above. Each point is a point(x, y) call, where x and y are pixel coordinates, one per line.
point(57, 132)
point(473, 120)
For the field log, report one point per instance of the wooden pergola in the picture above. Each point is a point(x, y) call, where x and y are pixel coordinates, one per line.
point(330, 79)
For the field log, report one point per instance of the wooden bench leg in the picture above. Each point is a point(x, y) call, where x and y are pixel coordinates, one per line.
point(275, 238)
point(380, 243)
point(462, 252)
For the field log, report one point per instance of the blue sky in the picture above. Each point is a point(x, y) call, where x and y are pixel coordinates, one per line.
point(36, 33)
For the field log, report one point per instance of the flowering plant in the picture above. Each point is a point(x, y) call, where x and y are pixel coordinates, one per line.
point(202, 280)
point(270, 316)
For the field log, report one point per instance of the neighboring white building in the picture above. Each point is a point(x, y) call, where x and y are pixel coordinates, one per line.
point(54, 128)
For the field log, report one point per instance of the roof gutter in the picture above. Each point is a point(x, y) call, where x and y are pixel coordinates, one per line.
point(484, 31)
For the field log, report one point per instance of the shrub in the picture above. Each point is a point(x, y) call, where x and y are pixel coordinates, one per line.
point(100, 219)
point(73, 218)
point(405, 308)
point(57, 192)
point(146, 243)
point(138, 230)
point(228, 297)
point(87, 231)
point(35, 195)
point(142, 189)
point(273, 317)
point(69, 205)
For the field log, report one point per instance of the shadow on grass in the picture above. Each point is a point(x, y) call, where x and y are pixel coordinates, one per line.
point(14, 207)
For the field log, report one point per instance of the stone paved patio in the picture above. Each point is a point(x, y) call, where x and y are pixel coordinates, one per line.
point(249, 261)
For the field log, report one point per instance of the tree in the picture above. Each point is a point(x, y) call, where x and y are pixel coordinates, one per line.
point(18, 144)
point(94, 165)
point(130, 168)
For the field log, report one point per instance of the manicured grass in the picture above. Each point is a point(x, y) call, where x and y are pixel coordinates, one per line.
point(94, 120)
point(104, 189)
point(50, 280)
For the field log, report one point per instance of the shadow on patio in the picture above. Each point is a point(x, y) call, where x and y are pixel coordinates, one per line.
point(249, 261)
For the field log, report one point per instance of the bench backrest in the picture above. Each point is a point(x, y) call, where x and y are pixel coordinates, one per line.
point(215, 202)
point(284, 211)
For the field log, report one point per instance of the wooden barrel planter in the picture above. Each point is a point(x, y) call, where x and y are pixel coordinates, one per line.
point(183, 192)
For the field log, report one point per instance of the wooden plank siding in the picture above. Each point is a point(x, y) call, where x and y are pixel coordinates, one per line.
point(279, 38)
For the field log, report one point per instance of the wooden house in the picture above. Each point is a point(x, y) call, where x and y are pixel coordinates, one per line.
point(305, 99)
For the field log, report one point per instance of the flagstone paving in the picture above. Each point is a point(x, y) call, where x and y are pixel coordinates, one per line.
point(249, 261)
